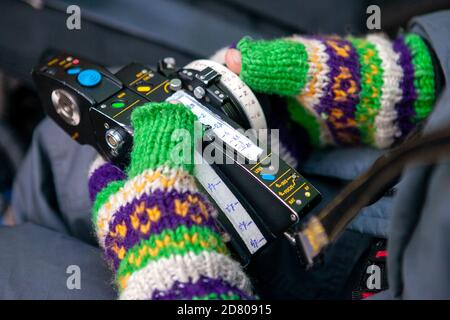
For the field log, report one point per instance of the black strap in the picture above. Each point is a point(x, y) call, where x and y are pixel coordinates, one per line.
point(368, 187)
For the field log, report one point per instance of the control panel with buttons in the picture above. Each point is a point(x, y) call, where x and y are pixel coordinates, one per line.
point(285, 182)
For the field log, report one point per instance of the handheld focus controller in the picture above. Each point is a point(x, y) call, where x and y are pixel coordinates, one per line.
point(258, 201)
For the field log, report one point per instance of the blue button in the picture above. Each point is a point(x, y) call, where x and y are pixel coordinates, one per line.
point(89, 78)
point(268, 177)
point(73, 70)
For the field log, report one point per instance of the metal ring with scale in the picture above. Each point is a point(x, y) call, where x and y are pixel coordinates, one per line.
point(240, 91)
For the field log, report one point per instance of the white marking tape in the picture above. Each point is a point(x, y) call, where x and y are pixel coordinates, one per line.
point(223, 130)
point(230, 205)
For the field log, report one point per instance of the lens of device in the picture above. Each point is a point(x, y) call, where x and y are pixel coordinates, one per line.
point(66, 106)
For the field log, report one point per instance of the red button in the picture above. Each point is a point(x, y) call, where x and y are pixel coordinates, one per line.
point(365, 295)
point(75, 61)
point(381, 254)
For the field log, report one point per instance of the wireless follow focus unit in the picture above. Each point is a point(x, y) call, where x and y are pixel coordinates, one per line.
point(258, 202)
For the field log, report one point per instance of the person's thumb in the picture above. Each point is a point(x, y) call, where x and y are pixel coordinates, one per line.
point(233, 60)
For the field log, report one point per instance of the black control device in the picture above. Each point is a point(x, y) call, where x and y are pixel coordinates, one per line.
point(259, 199)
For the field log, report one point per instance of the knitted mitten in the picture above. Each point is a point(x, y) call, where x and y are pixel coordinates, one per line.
point(158, 232)
point(348, 91)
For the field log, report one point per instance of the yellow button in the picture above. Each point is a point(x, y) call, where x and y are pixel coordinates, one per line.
point(143, 88)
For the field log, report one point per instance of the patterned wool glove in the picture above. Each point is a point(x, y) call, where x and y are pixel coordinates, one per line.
point(347, 91)
point(158, 232)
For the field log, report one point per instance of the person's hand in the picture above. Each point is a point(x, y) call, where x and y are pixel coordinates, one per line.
point(277, 66)
point(158, 231)
point(233, 60)
point(369, 90)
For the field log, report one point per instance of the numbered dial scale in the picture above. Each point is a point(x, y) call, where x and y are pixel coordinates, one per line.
point(260, 198)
